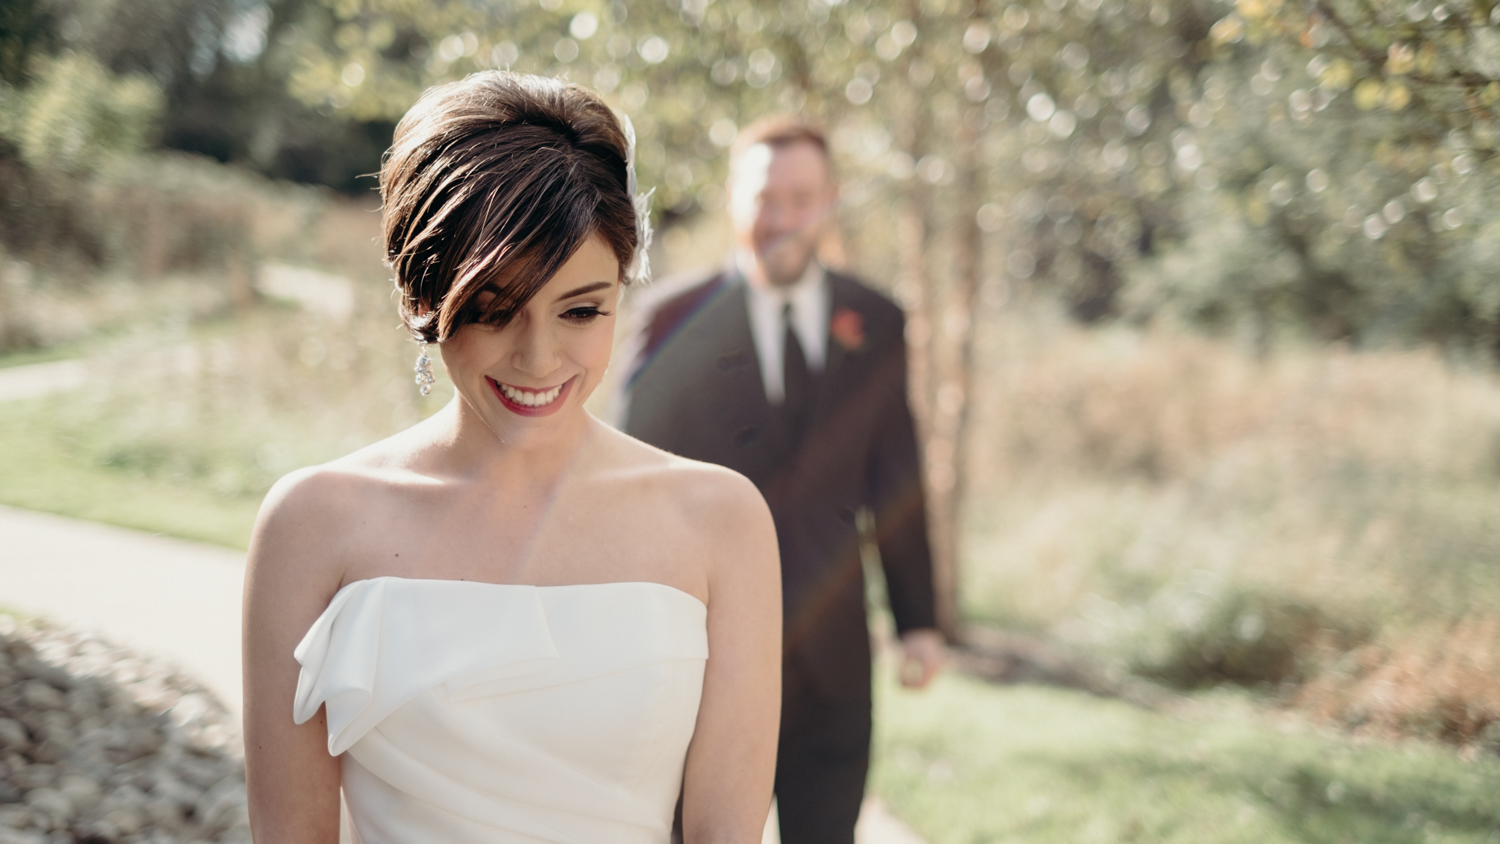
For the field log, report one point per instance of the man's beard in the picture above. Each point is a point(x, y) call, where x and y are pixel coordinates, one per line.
point(787, 262)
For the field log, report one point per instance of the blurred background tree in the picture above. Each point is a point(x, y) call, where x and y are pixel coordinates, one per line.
point(1268, 170)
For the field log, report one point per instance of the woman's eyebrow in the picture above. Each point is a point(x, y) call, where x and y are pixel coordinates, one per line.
point(587, 288)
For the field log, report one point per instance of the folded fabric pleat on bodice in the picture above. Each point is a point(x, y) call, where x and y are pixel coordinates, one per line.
point(478, 712)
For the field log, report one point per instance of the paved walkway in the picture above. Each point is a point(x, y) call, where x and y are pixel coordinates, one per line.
point(175, 599)
point(39, 379)
point(163, 597)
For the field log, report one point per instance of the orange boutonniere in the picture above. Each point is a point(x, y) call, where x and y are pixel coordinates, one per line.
point(847, 329)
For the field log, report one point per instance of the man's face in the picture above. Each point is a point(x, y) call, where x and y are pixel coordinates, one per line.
point(780, 200)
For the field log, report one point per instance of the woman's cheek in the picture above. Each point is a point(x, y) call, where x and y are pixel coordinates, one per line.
point(462, 353)
point(601, 345)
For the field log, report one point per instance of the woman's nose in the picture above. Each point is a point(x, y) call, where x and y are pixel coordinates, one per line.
point(536, 350)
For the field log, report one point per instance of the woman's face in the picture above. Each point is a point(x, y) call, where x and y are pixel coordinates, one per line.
point(537, 371)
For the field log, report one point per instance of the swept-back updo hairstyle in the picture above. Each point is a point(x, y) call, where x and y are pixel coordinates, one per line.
point(495, 181)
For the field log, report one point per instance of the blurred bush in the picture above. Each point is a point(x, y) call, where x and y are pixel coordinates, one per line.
point(142, 238)
point(1316, 520)
point(221, 67)
point(230, 411)
point(1441, 683)
point(83, 199)
point(1204, 630)
point(76, 117)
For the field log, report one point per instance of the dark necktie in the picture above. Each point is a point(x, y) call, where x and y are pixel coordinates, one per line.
point(796, 379)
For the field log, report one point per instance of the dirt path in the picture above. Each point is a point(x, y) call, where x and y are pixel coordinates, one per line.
point(178, 600)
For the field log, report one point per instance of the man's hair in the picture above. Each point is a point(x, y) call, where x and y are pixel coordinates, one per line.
point(777, 131)
point(495, 181)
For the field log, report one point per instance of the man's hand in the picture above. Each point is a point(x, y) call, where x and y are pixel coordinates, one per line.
point(922, 657)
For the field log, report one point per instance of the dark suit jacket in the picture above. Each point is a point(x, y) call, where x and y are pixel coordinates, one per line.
point(696, 390)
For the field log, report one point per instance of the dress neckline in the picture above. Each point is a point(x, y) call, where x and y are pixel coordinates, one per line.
point(487, 583)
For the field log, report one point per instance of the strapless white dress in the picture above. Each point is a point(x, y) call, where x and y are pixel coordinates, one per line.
point(480, 713)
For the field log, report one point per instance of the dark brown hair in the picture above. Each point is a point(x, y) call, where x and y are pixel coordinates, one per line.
point(495, 181)
point(780, 130)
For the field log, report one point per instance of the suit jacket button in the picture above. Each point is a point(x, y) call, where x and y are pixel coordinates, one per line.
point(746, 436)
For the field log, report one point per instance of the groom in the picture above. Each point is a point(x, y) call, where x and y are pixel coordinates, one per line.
point(795, 376)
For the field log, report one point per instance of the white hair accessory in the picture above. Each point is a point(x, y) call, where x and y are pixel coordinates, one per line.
point(639, 270)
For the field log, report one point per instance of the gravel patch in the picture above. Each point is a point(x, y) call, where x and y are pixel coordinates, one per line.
point(99, 745)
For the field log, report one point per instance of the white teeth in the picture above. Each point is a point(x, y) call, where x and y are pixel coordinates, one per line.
point(530, 398)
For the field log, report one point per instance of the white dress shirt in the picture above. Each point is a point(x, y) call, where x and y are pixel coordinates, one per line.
point(811, 302)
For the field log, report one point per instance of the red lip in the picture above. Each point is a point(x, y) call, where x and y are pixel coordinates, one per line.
point(525, 410)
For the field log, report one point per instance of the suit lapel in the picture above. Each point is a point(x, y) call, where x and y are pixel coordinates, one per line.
point(734, 377)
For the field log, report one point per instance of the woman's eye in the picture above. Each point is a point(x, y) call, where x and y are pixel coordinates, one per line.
point(584, 313)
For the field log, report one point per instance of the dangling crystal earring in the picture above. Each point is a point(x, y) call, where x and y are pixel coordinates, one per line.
point(423, 369)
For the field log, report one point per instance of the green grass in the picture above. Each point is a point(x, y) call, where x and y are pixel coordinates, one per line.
point(967, 762)
point(42, 469)
point(46, 354)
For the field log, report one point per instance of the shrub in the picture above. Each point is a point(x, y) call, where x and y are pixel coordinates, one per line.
point(1199, 513)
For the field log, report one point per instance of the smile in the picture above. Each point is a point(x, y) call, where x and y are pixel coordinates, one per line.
point(529, 402)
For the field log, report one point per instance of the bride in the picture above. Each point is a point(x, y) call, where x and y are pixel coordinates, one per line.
point(512, 623)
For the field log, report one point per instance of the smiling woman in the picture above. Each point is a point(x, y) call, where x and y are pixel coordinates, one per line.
point(512, 622)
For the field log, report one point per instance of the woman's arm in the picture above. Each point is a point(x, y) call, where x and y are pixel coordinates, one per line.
point(293, 782)
point(732, 759)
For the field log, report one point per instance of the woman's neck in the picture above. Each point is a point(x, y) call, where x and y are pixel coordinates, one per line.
point(538, 456)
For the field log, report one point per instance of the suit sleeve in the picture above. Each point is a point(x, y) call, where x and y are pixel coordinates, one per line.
point(898, 502)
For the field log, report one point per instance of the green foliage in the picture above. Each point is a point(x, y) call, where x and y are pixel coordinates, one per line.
point(26, 28)
point(1068, 146)
point(1342, 199)
point(222, 67)
point(1204, 630)
point(1440, 60)
point(1195, 512)
point(145, 217)
point(76, 116)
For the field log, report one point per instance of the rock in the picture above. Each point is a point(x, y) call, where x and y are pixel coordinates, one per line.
point(50, 808)
point(42, 695)
point(18, 836)
point(81, 791)
point(49, 800)
point(13, 735)
point(101, 746)
point(15, 816)
point(223, 806)
point(125, 820)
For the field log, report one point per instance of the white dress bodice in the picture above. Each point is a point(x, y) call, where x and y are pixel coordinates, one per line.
point(473, 712)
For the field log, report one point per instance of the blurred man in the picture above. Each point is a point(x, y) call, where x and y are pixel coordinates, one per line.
point(795, 376)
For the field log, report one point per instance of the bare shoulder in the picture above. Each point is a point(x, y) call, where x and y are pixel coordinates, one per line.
point(728, 526)
point(312, 516)
point(300, 518)
point(716, 494)
point(705, 493)
point(313, 495)
point(705, 512)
